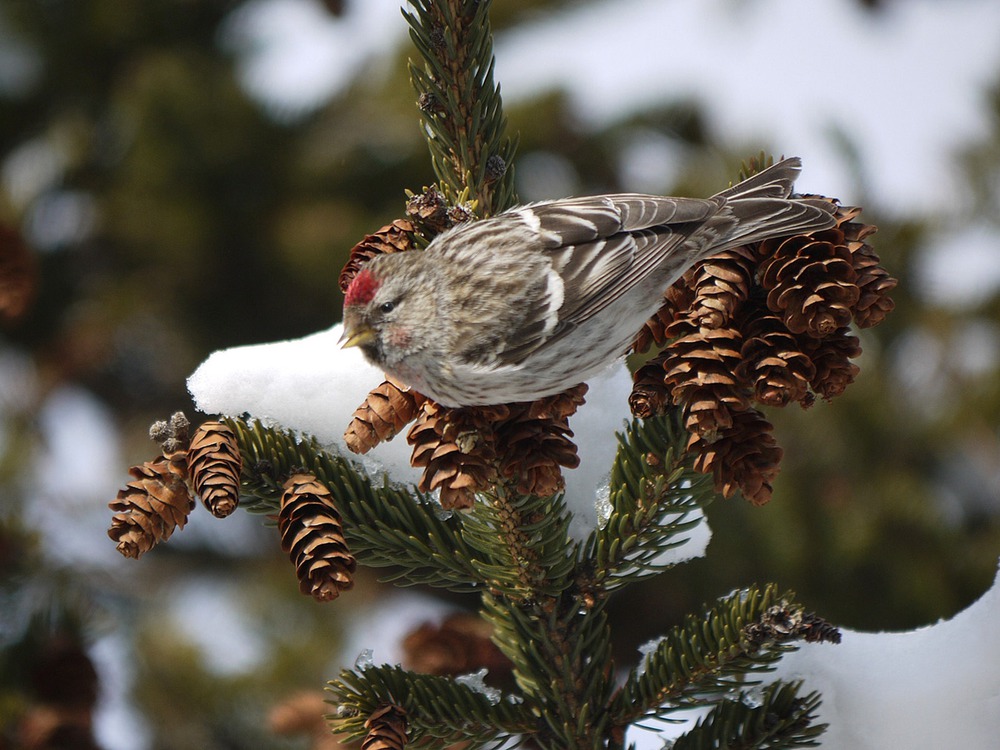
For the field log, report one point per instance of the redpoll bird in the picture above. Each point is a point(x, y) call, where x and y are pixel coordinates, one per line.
point(541, 297)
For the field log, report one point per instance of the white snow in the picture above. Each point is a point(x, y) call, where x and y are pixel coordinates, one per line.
point(476, 682)
point(310, 384)
point(928, 689)
point(932, 688)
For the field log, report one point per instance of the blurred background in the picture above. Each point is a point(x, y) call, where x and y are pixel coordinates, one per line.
point(179, 176)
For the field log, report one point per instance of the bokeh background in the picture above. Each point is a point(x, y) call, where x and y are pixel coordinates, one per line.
point(179, 176)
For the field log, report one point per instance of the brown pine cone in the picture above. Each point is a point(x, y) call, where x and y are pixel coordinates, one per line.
point(456, 449)
point(744, 457)
point(459, 645)
point(721, 285)
point(312, 535)
point(534, 442)
point(215, 463)
point(385, 411)
point(810, 281)
point(149, 508)
point(430, 210)
point(709, 411)
point(558, 406)
point(874, 281)
point(832, 358)
point(701, 358)
point(700, 372)
point(386, 729)
point(172, 434)
point(396, 237)
point(773, 363)
point(649, 397)
point(676, 299)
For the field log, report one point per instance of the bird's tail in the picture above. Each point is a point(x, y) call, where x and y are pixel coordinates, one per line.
point(762, 209)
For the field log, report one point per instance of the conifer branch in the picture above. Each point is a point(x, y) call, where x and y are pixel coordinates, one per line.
point(710, 655)
point(654, 494)
point(562, 663)
point(463, 117)
point(385, 527)
point(439, 710)
point(777, 717)
point(521, 543)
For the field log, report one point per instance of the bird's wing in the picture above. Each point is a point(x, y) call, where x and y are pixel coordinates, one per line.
point(577, 220)
point(599, 249)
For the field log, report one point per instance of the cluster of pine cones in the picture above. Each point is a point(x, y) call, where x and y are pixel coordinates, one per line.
point(764, 324)
point(208, 464)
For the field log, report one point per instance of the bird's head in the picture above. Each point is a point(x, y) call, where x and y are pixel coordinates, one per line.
point(381, 305)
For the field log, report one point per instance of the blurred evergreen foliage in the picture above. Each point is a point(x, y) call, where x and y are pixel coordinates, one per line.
point(172, 215)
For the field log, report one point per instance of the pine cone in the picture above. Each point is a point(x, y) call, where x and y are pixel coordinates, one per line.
point(700, 372)
point(312, 535)
point(701, 358)
point(832, 357)
point(459, 645)
point(386, 729)
point(456, 449)
point(773, 363)
point(744, 457)
point(676, 299)
point(874, 281)
point(215, 464)
point(385, 411)
point(557, 406)
point(721, 284)
point(18, 275)
point(708, 412)
point(149, 508)
point(649, 397)
point(396, 237)
point(172, 435)
point(810, 280)
point(430, 210)
point(781, 624)
point(534, 442)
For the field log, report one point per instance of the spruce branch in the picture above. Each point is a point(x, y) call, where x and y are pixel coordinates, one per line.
point(777, 717)
point(654, 493)
point(562, 663)
point(386, 527)
point(439, 710)
point(462, 109)
point(710, 656)
point(521, 543)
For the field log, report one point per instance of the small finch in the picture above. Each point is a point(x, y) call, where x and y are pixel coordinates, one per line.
point(542, 297)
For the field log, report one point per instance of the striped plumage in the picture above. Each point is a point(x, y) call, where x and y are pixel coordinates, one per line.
point(539, 298)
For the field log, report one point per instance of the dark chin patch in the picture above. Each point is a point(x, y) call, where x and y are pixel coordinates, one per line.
point(372, 351)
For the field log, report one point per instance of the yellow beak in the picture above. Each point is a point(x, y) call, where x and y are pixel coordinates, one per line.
point(357, 337)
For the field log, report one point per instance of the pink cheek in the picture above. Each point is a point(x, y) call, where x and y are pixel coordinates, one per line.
point(399, 337)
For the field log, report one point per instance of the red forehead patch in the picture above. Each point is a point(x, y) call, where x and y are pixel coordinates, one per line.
point(362, 289)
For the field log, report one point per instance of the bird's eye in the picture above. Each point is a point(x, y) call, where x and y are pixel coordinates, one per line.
point(387, 307)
